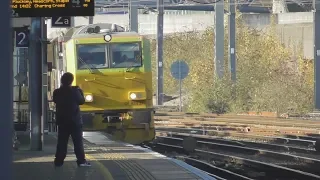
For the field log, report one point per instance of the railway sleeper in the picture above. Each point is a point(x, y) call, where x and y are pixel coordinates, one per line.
point(277, 147)
point(308, 163)
point(271, 171)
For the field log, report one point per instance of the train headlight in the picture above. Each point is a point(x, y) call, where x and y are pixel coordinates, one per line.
point(133, 96)
point(88, 98)
point(137, 95)
point(107, 37)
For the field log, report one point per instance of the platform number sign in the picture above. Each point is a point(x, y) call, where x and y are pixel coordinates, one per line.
point(63, 21)
point(22, 37)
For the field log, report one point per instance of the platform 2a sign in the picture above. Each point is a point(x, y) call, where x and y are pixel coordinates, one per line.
point(22, 37)
point(63, 21)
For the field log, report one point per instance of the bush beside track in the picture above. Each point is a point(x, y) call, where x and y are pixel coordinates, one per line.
point(269, 78)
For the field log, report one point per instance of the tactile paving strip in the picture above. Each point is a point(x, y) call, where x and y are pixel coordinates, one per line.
point(133, 170)
point(112, 156)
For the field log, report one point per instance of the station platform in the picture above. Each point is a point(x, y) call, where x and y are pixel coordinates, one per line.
point(110, 160)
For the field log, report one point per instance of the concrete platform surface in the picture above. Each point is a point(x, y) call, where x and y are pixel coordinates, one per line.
point(110, 161)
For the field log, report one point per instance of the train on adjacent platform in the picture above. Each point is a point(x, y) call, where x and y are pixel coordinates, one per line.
point(113, 67)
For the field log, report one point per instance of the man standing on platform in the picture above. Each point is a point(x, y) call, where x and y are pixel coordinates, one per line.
point(68, 118)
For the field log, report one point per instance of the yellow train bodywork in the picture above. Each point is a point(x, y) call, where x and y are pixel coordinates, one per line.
point(118, 99)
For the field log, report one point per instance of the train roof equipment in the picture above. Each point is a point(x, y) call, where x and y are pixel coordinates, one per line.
point(95, 30)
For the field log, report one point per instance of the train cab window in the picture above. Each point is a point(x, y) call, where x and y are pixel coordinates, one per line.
point(92, 56)
point(125, 55)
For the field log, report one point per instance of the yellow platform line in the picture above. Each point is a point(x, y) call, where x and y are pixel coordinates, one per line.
point(105, 172)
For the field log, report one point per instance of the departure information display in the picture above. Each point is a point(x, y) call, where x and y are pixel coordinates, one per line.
point(50, 8)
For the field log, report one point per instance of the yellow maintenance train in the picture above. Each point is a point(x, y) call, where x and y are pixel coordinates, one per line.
point(113, 67)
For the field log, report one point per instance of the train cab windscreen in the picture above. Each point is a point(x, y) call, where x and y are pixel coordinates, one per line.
point(115, 55)
point(125, 55)
point(92, 56)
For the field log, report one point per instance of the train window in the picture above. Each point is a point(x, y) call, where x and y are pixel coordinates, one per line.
point(126, 55)
point(92, 56)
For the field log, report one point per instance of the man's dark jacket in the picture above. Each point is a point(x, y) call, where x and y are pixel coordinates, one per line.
point(67, 100)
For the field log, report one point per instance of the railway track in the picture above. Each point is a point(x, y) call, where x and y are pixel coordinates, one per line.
point(237, 144)
point(226, 166)
point(265, 131)
point(294, 141)
point(214, 127)
point(253, 128)
point(283, 159)
point(265, 146)
point(238, 119)
point(257, 129)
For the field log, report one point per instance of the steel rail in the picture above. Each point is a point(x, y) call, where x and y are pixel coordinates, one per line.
point(275, 171)
point(310, 163)
point(280, 140)
point(276, 147)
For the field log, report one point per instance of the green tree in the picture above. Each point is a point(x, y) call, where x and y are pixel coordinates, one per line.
point(269, 78)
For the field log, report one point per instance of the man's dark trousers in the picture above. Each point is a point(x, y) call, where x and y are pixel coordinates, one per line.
point(64, 132)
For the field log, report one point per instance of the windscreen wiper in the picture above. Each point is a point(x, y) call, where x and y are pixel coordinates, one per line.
point(86, 65)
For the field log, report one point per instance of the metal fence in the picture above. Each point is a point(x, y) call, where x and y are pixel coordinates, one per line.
point(21, 118)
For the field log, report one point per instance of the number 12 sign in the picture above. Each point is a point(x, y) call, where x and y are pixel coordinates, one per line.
point(22, 37)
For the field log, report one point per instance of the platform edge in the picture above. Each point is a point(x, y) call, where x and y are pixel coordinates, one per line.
point(194, 170)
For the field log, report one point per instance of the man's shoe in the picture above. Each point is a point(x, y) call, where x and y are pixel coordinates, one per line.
point(57, 163)
point(85, 164)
